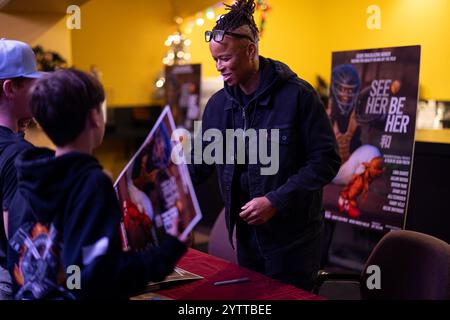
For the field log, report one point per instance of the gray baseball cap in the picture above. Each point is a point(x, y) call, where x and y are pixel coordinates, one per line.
point(17, 60)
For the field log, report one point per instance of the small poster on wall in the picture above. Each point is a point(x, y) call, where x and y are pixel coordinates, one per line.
point(372, 108)
point(183, 93)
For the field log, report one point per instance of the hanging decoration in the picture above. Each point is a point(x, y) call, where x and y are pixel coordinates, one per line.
point(178, 53)
point(265, 8)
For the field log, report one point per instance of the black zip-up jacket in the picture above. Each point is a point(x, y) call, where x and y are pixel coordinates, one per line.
point(68, 205)
point(308, 157)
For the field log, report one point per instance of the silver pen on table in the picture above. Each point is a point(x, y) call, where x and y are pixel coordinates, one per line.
point(232, 281)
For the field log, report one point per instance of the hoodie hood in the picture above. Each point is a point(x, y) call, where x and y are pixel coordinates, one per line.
point(8, 137)
point(45, 180)
point(273, 75)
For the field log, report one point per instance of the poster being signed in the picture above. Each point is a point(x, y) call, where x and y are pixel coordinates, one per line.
point(155, 193)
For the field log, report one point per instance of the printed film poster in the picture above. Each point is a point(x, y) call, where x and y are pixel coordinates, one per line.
point(182, 89)
point(156, 193)
point(372, 108)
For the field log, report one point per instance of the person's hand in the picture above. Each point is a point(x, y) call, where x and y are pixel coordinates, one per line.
point(257, 211)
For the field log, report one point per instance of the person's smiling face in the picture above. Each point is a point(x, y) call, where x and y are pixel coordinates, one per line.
point(233, 59)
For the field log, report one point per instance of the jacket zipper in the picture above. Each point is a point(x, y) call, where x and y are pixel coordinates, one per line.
point(244, 118)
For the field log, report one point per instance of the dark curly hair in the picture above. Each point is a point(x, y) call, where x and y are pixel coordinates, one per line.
point(240, 14)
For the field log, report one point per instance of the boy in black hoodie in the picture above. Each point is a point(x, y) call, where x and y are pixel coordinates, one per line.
point(66, 212)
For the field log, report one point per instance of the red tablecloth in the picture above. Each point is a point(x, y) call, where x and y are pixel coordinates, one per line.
point(215, 269)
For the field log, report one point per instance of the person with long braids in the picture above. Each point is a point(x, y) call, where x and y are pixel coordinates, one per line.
point(278, 217)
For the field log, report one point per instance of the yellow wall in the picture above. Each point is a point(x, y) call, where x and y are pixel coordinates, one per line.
point(404, 22)
point(125, 40)
point(47, 30)
point(274, 42)
point(304, 33)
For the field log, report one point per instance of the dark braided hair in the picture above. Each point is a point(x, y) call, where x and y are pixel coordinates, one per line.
point(240, 14)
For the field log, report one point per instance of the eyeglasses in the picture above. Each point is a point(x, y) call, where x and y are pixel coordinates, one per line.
point(217, 35)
